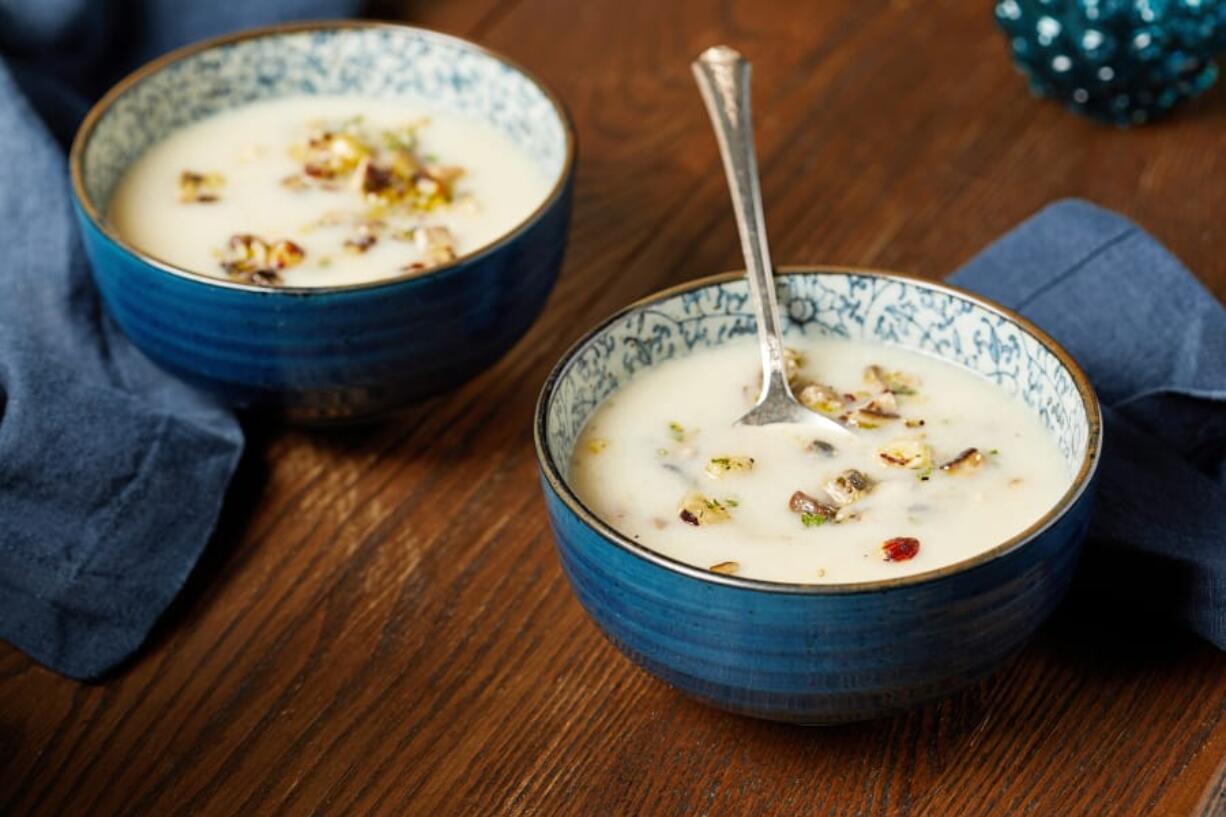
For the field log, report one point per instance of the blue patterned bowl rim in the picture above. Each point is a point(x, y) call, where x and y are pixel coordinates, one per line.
point(1081, 481)
point(76, 154)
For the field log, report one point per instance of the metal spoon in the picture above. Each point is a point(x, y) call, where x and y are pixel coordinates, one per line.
point(723, 78)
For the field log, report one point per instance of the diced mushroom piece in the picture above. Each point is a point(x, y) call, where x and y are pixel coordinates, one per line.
point(727, 568)
point(718, 467)
point(849, 486)
point(966, 462)
point(698, 510)
point(897, 382)
point(821, 398)
point(906, 453)
point(200, 188)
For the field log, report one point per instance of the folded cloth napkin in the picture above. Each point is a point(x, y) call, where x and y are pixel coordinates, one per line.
point(1153, 341)
point(112, 472)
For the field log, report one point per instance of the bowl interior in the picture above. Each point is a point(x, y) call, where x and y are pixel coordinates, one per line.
point(383, 61)
point(855, 305)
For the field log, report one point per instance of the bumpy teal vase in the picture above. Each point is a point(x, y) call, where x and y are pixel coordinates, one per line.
point(1124, 61)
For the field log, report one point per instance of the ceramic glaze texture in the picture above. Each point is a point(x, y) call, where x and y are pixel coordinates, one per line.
point(340, 353)
point(812, 653)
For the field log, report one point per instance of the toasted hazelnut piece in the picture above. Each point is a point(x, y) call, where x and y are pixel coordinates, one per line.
point(698, 510)
point(884, 405)
point(966, 462)
point(445, 174)
point(404, 164)
point(897, 382)
point(285, 254)
point(846, 514)
point(849, 486)
point(718, 467)
point(906, 453)
point(249, 257)
point(347, 149)
point(821, 398)
point(793, 362)
point(200, 188)
point(360, 244)
point(436, 243)
point(266, 277)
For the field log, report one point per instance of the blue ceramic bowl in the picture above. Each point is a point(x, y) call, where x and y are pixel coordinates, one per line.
point(813, 653)
point(338, 353)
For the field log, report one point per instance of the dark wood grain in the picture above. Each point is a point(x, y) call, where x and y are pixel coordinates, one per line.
point(381, 627)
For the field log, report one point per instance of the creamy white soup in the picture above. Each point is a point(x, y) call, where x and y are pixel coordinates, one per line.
point(324, 191)
point(943, 465)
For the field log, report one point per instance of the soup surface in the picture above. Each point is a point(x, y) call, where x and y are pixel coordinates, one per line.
point(943, 465)
point(324, 191)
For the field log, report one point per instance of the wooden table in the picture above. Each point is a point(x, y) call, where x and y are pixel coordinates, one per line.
point(381, 626)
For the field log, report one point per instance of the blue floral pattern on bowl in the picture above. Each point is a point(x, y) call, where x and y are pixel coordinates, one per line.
point(394, 62)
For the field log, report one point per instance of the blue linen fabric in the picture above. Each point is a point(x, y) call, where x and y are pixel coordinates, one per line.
point(1153, 341)
point(112, 473)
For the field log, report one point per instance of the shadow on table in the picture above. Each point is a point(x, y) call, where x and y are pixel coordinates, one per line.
point(243, 498)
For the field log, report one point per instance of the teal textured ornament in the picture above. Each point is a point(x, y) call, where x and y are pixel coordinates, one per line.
point(1125, 61)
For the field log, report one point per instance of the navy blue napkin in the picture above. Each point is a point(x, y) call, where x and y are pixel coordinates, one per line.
point(112, 473)
point(1153, 341)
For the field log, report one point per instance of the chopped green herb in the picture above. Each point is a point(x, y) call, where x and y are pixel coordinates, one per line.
point(677, 431)
point(812, 520)
point(731, 503)
point(722, 461)
point(926, 474)
point(663, 452)
point(994, 451)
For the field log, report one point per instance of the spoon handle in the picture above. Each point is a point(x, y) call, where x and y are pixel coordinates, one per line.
point(723, 79)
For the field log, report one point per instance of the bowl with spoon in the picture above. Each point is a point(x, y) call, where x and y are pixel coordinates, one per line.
point(811, 652)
